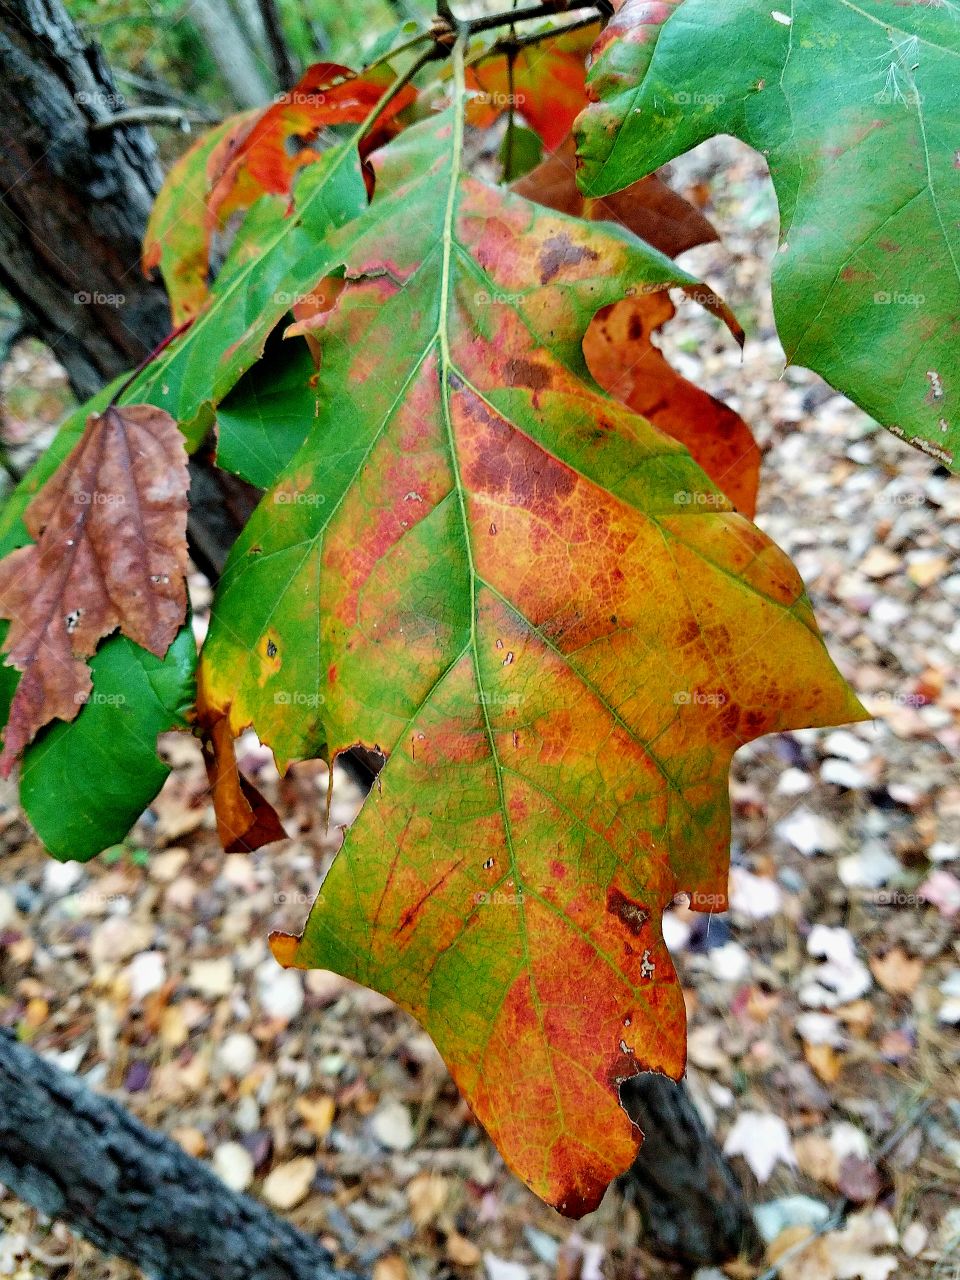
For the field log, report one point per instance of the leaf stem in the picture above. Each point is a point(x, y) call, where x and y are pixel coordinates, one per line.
point(148, 359)
point(400, 48)
point(549, 9)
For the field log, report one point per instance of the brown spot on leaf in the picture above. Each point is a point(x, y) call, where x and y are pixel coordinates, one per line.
point(560, 251)
point(633, 914)
point(525, 373)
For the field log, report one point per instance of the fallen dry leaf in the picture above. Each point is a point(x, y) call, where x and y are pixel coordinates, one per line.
point(763, 1140)
point(897, 972)
point(462, 1252)
point(825, 1061)
point(289, 1184)
point(317, 1114)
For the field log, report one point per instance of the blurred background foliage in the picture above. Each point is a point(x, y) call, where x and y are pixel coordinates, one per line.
point(184, 52)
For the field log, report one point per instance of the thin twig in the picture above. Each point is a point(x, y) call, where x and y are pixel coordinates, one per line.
point(148, 359)
point(412, 43)
point(548, 10)
point(515, 43)
point(510, 138)
point(151, 115)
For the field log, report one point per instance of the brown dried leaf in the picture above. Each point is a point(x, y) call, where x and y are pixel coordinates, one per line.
point(825, 1060)
point(245, 820)
point(110, 551)
point(648, 208)
point(897, 973)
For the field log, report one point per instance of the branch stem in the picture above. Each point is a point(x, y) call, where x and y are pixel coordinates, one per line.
point(549, 9)
point(151, 115)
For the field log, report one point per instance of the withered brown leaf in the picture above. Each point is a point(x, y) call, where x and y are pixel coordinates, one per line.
point(110, 551)
point(649, 208)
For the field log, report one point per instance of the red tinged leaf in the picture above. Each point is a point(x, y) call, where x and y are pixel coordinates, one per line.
point(649, 208)
point(548, 88)
point(553, 623)
point(111, 551)
point(623, 359)
point(269, 153)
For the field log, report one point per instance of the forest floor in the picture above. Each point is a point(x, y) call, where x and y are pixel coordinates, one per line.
point(823, 1007)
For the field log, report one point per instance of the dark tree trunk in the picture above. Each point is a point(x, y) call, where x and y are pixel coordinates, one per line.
point(80, 1157)
point(692, 1206)
point(74, 203)
point(73, 210)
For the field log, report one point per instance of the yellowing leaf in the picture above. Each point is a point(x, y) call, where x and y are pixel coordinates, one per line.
point(111, 551)
point(177, 239)
point(480, 562)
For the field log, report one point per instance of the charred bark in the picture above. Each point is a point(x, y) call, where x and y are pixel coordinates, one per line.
point(80, 1157)
point(693, 1208)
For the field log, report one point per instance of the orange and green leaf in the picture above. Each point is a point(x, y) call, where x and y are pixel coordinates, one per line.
point(250, 155)
point(177, 239)
point(553, 623)
point(622, 357)
point(267, 156)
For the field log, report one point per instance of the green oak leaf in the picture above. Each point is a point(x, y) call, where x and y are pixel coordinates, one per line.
point(855, 108)
point(83, 784)
point(277, 258)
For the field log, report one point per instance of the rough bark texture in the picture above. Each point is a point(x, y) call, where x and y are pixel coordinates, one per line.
point(693, 1208)
point(80, 1157)
point(74, 204)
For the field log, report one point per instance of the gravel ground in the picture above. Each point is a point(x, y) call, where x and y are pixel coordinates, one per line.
point(823, 1007)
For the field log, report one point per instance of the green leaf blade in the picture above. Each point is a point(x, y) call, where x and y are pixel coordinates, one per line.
point(855, 110)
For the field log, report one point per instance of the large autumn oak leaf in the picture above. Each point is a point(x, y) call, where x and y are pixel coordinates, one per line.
point(111, 551)
point(551, 620)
